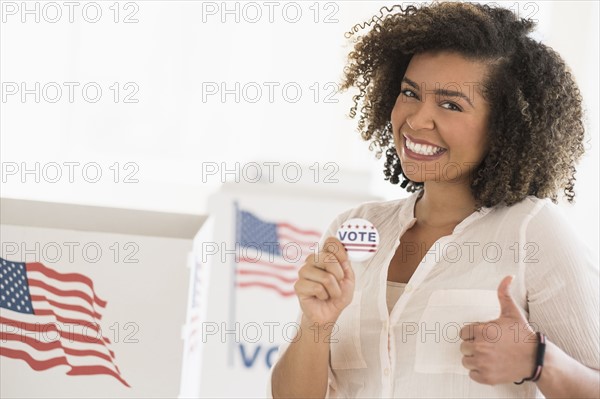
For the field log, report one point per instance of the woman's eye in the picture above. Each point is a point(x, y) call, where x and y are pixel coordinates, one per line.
point(452, 107)
point(408, 93)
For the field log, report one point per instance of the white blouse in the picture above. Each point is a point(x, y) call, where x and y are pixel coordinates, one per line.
point(413, 351)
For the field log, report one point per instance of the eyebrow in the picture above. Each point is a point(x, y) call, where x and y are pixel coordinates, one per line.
point(442, 92)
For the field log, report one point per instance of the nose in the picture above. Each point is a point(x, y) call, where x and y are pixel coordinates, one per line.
point(420, 118)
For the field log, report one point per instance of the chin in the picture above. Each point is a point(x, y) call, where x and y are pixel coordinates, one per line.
point(418, 172)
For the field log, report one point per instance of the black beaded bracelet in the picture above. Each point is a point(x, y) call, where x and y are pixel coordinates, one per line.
point(539, 359)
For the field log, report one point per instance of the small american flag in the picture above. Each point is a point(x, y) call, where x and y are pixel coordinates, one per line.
point(271, 253)
point(51, 319)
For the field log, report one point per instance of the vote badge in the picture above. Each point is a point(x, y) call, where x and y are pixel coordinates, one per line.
point(360, 239)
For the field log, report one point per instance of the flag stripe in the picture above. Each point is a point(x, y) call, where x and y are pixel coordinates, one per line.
point(37, 365)
point(66, 277)
point(67, 320)
point(350, 244)
point(274, 279)
point(300, 231)
point(59, 292)
point(46, 346)
point(40, 365)
point(72, 336)
point(260, 273)
point(50, 347)
point(76, 308)
point(268, 264)
point(47, 317)
point(93, 370)
point(305, 245)
point(268, 286)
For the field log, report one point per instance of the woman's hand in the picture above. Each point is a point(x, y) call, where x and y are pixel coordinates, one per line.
point(500, 351)
point(326, 284)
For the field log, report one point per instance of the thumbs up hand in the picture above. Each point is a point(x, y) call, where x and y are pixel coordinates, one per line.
point(500, 351)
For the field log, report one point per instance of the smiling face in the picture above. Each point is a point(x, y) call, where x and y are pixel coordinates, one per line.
point(439, 119)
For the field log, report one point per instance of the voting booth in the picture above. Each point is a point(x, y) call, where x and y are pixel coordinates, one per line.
point(246, 258)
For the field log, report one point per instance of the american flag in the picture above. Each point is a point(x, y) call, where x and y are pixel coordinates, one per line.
point(271, 253)
point(51, 319)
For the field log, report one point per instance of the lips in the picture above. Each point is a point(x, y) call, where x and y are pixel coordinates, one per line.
point(422, 157)
point(419, 141)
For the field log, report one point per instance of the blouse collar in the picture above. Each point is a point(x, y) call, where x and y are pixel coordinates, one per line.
point(407, 213)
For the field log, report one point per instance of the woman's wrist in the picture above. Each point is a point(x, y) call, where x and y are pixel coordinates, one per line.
point(564, 376)
point(538, 360)
point(321, 331)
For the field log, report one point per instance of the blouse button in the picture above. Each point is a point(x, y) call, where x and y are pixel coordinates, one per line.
point(386, 372)
point(408, 288)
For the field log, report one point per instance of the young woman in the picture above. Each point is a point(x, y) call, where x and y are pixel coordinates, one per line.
point(484, 126)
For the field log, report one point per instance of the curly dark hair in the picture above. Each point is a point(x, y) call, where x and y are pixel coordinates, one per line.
point(535, 126)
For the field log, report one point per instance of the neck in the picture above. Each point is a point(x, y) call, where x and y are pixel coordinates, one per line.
point(444, 204)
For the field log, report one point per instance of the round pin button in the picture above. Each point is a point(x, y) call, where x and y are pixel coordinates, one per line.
point(360, 239)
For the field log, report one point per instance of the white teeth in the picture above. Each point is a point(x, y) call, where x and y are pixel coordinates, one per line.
point(423, 149)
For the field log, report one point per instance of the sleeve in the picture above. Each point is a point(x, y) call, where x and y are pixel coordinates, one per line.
point(331, 388)
point(562, 281)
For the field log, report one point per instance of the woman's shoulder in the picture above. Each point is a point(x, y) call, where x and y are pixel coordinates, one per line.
point(532, 219)
point(547, 225)
point(532, 212)
point(543, 213)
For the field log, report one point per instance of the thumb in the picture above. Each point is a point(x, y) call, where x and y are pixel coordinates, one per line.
point(508, 307)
